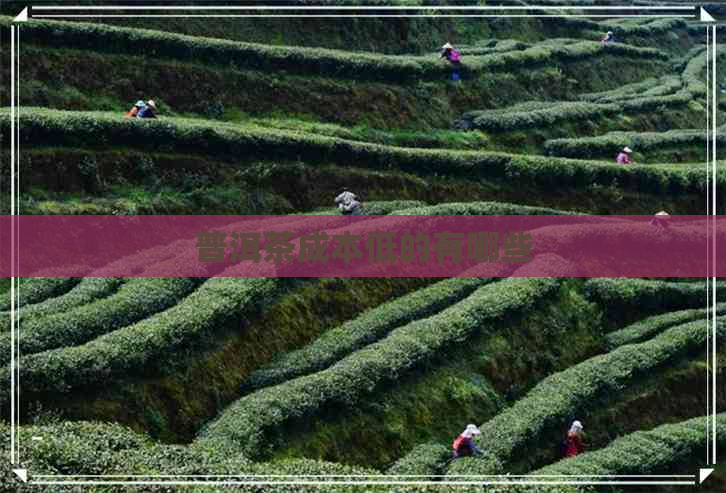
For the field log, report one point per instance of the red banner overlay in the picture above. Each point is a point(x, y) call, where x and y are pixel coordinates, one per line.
point(360, 246)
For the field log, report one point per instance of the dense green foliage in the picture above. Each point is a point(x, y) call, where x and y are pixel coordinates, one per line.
point(651, 326)
point(38, 289)
point(492, 46)
point(646, 296)
point(136, 300)
point(383, 207)
point(186, 135)
point(626, 29)
point(693, 73)
point(101, 448)
point(365, 329)
point(649, 87)
point(537, 115)
point(646, 96)
point(331, 63)
point(433, 138)
point(375, 207)
point(319, 374)
point(253, 424)
point(608, 145)
point(95, 448)
point(643, 452)
point(423, 460)
point(561, 397)
point(154, 340)
point(88, 290)
point(477, 209)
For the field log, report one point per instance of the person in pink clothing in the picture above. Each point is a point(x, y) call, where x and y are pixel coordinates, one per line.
point(624, 156)
point(454, 57)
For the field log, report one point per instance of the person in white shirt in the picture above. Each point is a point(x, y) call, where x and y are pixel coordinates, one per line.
point(348, 203)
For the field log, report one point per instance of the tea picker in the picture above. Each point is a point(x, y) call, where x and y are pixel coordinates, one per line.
point(348, 203)
point(454, 58)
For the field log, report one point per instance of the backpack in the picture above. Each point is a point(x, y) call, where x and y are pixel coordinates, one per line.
point(455, 56)
point(457, 442)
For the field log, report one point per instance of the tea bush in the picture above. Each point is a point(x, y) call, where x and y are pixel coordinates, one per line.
point(423, 460)
point(645, 96)
point(88, 290)
point(477, 209)
point(608, 145)
point(253, 423)
point(136, 300)
point(156, 340)
point(317, 61)
point(649, 87)
point(367, 328)
point(643, 452)
point(92, 448)
point(520, 117)
point(651, 326)
point(38, 289)
point(61, 128)
point(561, 397)
point(633, 294)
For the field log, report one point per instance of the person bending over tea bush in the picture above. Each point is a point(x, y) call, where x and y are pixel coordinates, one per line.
point(348, 203)
point(624, 156)
point(148, 111)
point(464, 445)
point(135, 109)
point(454, 58)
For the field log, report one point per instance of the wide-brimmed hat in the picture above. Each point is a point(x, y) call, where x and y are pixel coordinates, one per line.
point(627, 149)
point(471, 430)
point(576, 426)
point(140, 103)
point(610, 33)
point(447, 46)
point(662, 213)
point(151, 103)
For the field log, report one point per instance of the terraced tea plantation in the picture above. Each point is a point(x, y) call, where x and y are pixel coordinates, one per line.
point(359, 377)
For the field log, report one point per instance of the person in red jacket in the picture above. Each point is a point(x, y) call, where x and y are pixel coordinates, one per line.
point(464, 445)
point(574, 442)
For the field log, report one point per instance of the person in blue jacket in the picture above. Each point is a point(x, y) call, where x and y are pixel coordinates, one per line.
point(148, 111)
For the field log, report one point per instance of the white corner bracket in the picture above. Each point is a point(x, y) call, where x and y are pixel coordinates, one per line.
point(23, 474)
point(23, 16)
point(705, 16)
point(703, 474)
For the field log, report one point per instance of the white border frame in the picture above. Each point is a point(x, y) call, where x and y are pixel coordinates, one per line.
point(503, 479)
